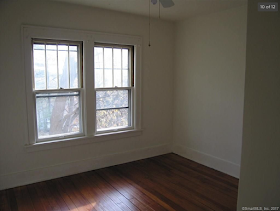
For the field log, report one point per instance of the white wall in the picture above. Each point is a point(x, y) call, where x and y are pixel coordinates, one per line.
point(17, 165)
point(209, 89)
point(259, 184)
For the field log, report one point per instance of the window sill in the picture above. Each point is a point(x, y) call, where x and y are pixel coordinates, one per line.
point(82, 140)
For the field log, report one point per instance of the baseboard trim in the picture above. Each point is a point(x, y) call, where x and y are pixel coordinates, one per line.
point(219, 164)
point(51, 172)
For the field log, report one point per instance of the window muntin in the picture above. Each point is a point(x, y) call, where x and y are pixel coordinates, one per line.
point(57, 88)
point(113, 84)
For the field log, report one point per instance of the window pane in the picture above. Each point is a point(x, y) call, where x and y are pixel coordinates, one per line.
point(111, 99)
point(39, 66)
point(117, 67)
point(98, 78)
point(73, 48)
point(118, 77)
point(51, 57)
point(98, 65)
point(63, 66)
point(98, 57)
point(39, 47)
point(113, 118)
point(125, 67)
point(108, 67)
point(125, 78)
point(125, 58)
point(57, 114)
point(74, 80)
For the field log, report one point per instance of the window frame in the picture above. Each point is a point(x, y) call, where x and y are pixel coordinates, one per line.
point(60, 90)
point(130, 87)
point(88, 39)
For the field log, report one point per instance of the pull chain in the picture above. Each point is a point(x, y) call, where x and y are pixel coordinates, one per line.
point(149, 23)
point(159, 9)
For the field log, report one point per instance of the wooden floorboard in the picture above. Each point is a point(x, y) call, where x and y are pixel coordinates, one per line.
point(195, 177)
point(167, 182)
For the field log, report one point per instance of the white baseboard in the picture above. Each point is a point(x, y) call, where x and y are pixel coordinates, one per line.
point(208, 160)
point(65, 169)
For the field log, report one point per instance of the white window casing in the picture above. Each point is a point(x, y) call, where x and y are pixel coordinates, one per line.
point(87, 90)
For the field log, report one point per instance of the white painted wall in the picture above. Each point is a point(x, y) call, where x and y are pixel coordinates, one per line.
point(209, 89)
point(17, 165)
point(259, 184)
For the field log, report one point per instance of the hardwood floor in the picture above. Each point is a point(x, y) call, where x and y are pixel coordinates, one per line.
point(167, 182)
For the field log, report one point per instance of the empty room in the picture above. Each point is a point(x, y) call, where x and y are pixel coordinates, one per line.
point(117, 105)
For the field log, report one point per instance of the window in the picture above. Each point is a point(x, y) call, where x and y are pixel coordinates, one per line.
point(113, 65)
point(81, 85)
point(57, 88)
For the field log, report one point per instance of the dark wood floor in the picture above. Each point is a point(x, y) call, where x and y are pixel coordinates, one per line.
point(167, 182)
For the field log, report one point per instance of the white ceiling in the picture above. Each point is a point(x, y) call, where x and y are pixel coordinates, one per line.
point(182, 9)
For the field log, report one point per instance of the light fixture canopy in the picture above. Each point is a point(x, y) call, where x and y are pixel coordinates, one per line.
point(164, 3)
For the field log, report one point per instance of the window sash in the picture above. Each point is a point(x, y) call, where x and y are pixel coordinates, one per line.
point(129, 107)
point(130, 67)
point(81, 112)
point(46, 42)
